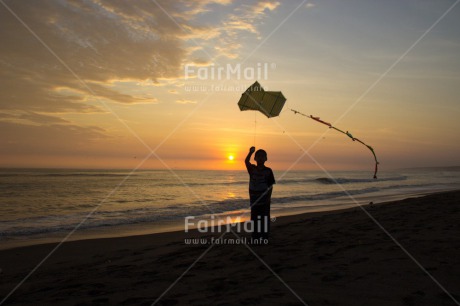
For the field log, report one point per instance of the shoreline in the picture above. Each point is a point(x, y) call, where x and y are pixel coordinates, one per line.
point(335, 258)
point(168, 226)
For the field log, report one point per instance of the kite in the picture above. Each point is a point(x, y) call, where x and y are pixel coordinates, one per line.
point(270, 103)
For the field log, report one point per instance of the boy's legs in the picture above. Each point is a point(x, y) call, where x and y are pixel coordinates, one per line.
point(260, 217)
point(265, 216)
point(254, 220)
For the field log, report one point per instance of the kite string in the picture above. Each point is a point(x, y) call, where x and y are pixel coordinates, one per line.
point(255, 128)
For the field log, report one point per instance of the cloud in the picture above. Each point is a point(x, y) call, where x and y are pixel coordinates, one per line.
point(100, 41)
point(260, 7)
point(30, 118)
point(192, 8)
point(185, 101)
point(246, 19)
point(310, 5)
point(106, 42)
point(101, 91)
point(199, 62)
point(103, 41)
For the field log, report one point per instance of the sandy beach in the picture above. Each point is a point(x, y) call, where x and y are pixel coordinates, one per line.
point(331, 258)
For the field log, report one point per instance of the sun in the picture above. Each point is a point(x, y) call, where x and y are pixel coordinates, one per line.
point(231, 157)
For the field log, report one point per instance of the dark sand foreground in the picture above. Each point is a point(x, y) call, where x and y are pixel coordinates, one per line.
point(333, 258)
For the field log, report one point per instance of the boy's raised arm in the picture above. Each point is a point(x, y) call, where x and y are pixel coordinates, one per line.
point(248, 158)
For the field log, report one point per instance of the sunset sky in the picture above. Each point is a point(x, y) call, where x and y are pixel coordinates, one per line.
point(101, 84)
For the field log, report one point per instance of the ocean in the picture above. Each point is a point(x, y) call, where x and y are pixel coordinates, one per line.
point(43, 205)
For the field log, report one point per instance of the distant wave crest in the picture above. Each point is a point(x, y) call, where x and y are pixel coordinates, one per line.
point(327, 180)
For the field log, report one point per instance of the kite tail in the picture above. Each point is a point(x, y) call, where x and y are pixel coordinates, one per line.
point(376, 169)
point(317, 119)
point(375, 158)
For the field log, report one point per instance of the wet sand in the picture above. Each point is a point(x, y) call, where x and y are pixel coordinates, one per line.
point(332, 258)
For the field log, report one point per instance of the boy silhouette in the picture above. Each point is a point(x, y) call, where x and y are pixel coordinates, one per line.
point(261, 180)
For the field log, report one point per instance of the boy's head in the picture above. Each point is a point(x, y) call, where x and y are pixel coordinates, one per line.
point(260, 157)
